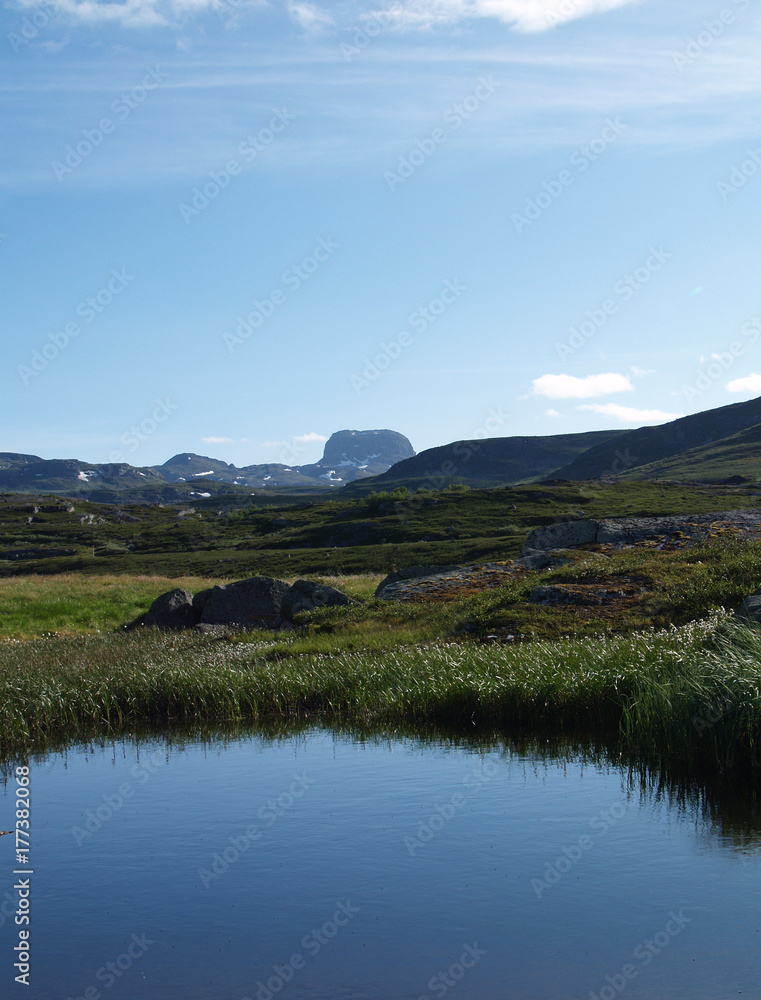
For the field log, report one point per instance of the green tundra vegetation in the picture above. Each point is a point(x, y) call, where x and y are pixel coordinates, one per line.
point(658, 665)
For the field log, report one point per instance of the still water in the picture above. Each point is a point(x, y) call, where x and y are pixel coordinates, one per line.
point(319, 865)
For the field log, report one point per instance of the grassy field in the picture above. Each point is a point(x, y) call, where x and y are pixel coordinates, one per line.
point(624, 591)
point(689, 694)
point(638, 648)
point(227, 537)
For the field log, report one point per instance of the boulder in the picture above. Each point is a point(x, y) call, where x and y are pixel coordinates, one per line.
point(172, 611)
point(386, 589)
point(750, 609)
point(305, 595)
point(247, 603)
point(563, 535)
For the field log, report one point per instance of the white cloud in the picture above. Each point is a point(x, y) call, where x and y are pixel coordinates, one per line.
point(571, 387)
point(138, 13)
point(749, 383)
point(522, 15)
point(631, 415)
point(309, 438)
point(309, 17)
point(218, 440)
point(552, 413)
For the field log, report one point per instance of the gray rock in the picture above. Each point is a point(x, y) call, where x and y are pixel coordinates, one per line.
point(172, 611)
point(199, 601)
point(385, 590)
point(215, 631)
point(563, 535)
point(536, 559)
point(750, 609)
point(248, 603)
point(305, 595)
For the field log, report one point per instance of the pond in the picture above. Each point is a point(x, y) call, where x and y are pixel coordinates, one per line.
point(318, 864)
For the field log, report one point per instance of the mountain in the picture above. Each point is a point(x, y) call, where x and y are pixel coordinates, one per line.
point(629, 453)
point(28, 473)
point(736, 455)
point(348, 455)
point(351, 455)
point(487, 462)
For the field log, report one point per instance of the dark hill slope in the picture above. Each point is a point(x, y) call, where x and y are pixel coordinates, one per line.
point(489, 462)
point(737, 455)
point(634, 449)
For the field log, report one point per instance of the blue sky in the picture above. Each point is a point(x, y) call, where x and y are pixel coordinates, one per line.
point(240, 226)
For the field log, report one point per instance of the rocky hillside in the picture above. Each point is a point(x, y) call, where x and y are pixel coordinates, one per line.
point(665, 444)
point(348, 455)
point(488, 462)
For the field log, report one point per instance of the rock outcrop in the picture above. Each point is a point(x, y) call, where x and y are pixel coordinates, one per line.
point(171, 611)
point(619, 531)
point(247, 603)
point(305, 595)
point(259, 602)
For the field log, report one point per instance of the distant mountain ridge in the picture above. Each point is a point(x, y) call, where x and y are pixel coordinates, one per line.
point(348, 455)
point(709, 446)
point(664, 443)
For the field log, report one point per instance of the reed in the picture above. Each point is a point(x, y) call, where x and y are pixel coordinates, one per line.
point(689, 694)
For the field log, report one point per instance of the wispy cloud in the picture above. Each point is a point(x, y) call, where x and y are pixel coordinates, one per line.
point(308, 16)
point(522, 15)
point(572, 387)
point(135, 13)
point(749, 383)
point(310, 438)
point(631, 415)
point(218, 440)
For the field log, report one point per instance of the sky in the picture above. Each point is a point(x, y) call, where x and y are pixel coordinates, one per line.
point(234, 227)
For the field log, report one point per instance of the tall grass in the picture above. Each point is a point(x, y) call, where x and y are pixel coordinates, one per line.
point(691, 693)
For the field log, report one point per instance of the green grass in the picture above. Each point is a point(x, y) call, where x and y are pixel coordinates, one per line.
point(233, 537)
point(690, 694)
point(82, 604)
